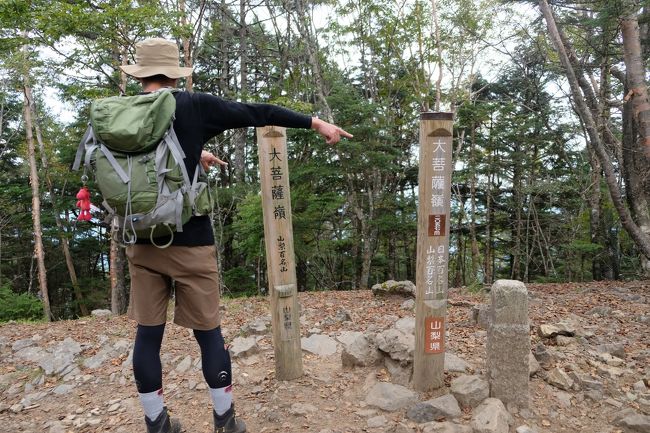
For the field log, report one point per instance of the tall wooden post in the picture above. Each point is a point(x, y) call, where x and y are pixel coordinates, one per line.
point(278, 236)
point(432, 249)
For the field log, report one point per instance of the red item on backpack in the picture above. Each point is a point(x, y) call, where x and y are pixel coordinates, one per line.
point(83, 203)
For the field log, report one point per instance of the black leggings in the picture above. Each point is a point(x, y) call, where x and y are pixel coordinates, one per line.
point(147, 368)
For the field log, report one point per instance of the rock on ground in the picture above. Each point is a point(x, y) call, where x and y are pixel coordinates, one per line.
point(397, 344)
point(392, 287)
point(455, 363)
point(431, 410)
point(470, 390)
point(319, 344)
point(243, 346)
point(446, 427)
point(633, 422)
point(359, 350)
point(390, 397)
point(491, 417)
point(559, 379)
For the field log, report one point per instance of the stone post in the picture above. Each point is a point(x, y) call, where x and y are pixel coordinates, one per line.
point(508, 343)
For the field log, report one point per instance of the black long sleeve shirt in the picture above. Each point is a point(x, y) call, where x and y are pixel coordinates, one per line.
point(200, 117)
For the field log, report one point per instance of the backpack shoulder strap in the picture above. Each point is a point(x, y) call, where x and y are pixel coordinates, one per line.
point(87, 140)
point(171, 141)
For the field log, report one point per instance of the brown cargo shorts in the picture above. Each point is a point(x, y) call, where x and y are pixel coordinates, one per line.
point(191, 272)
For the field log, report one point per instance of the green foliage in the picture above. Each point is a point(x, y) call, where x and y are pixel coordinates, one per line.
point(248, 228)
point(23, 306)
point(240, 279)
point(521, 185)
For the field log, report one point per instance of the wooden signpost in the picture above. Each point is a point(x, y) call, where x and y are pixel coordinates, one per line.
point(280, 262)
point(432, 249)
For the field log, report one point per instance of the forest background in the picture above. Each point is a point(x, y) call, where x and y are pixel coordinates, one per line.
point(551, 134)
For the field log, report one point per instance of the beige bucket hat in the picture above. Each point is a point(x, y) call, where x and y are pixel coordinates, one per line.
point(156, 56)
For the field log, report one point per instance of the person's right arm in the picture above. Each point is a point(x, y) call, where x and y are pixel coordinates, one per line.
point(330, 132)
point(219, 114)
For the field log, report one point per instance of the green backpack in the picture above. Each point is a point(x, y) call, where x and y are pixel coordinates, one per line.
point(133, 151)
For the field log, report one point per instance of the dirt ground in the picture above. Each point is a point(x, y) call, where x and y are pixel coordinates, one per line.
point(331, 398)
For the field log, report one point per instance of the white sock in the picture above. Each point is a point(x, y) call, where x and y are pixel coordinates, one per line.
point(221, 399)
point(152, 403)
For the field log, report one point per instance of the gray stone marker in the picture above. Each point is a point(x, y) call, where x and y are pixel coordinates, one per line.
point(508, 343)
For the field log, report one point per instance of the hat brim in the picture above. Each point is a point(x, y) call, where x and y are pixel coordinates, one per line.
point(174, 72)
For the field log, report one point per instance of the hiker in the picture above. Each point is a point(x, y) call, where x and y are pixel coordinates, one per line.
point(190, 261)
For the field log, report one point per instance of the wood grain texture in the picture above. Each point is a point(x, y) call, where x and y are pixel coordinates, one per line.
point(280, 261)
point(432, 249)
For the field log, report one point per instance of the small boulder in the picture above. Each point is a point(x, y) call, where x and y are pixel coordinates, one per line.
point(480, 315)
point(615, 349)
point(389, 397)
point(359, 351)
point(633, 422)
point(559, 379)
point(243, 346)
point(491, 417)
point(101, 313)
point(524, 429)
point(445, 427)
point(184, 365)
point(454, 363)
point(303, 409)
point(397, 344)
point(319, 344)
point(565, 328)
point(21, 344)
point(470, 391)
point(406, 325)
point(258, 326)
point(543, 356)
point(400, 373)
point(561, 340)
point(533, 365)
point(409, 305)
point(445, 406)
point(391, 287)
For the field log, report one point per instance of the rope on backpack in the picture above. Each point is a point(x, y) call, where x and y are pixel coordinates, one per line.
point(128, 239)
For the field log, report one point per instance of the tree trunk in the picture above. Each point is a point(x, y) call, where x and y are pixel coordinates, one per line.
point(187, 53)
point(239, 135)
point(392, 256)
point(367, 249)
point(459, 279)
point(472, 199)
point(436, 25)
point(641, 239)
point(119, 293)
point(65, 246)
point(116, 254)
point(637, 146)
point(489, 269)
point(635, 74)
point(36, 199)
point(515, 270)
point(594, 200)
point(304, 27)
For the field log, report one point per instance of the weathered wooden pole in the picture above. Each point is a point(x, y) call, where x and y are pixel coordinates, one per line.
point(432, 249)
point(280, 262)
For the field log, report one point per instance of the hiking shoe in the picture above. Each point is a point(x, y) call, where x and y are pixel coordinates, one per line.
point(228, 422)
point(163, 424)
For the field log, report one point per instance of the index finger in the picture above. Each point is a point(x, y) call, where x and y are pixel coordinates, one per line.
point(345, 133)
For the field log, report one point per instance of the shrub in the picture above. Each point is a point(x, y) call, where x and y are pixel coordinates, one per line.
point(23, 306)
point(239, 281)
